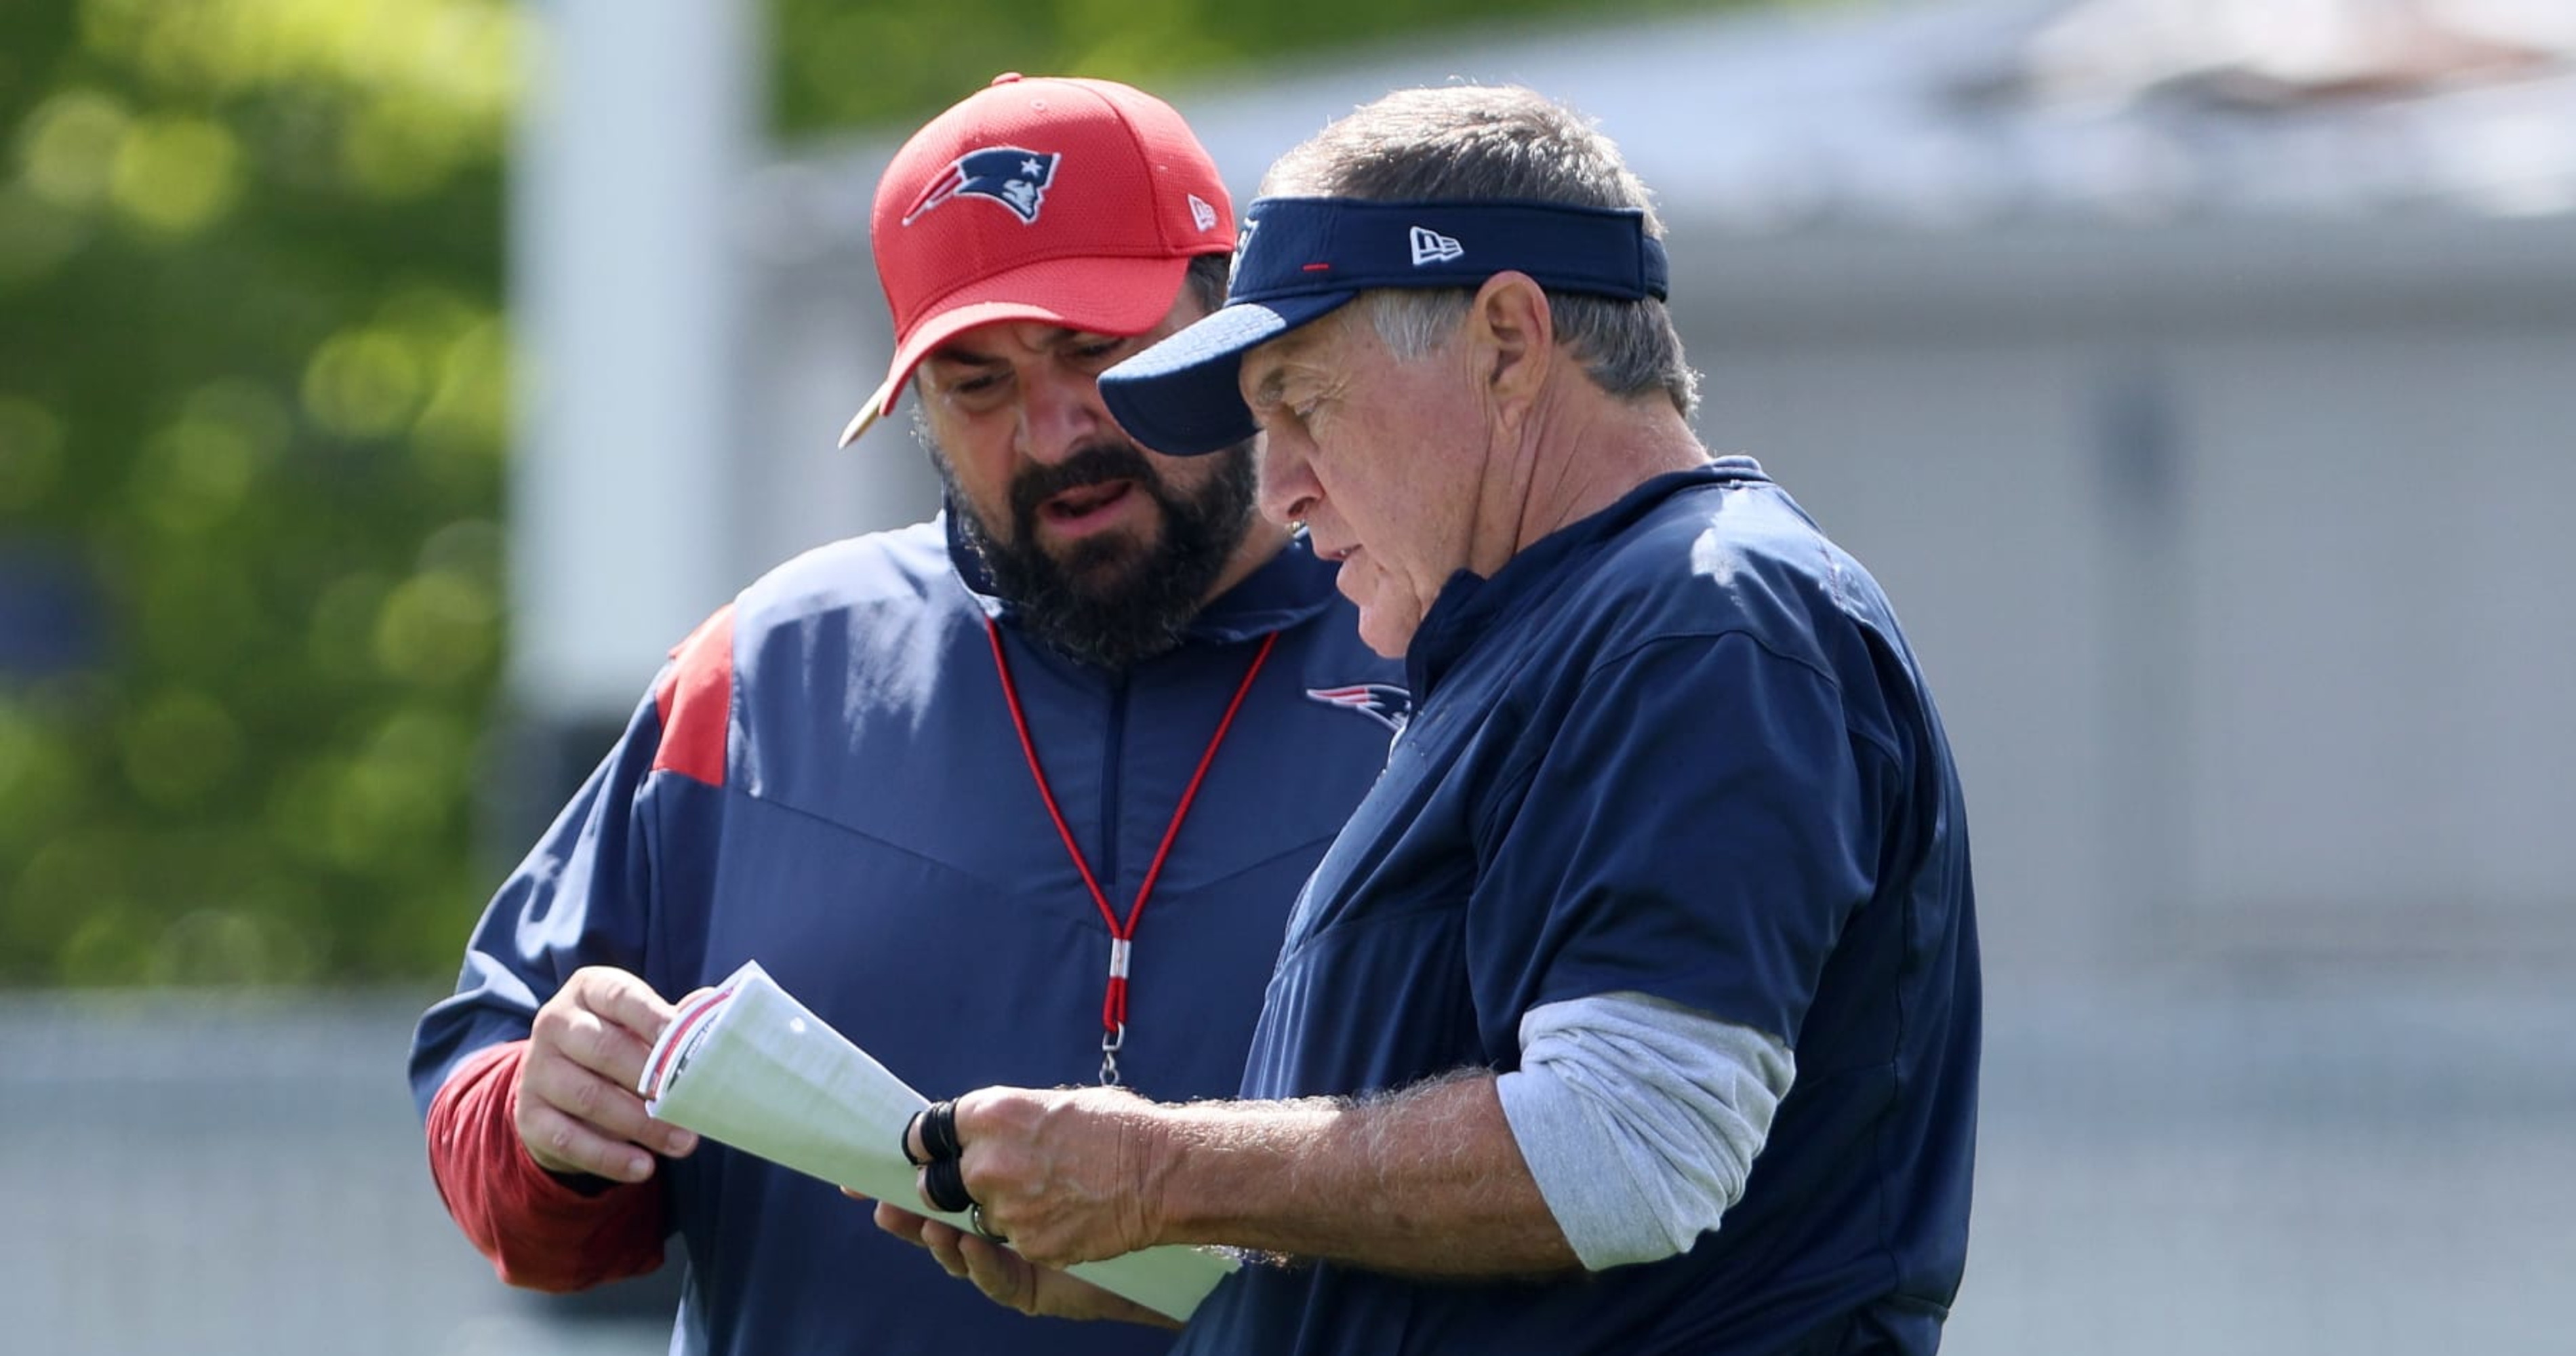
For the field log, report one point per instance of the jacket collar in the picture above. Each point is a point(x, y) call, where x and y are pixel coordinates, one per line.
point(1470, 605)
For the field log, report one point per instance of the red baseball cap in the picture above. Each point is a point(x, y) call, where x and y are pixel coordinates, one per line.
point(1075, 202)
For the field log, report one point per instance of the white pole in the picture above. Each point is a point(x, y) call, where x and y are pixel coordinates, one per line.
point(638, 125)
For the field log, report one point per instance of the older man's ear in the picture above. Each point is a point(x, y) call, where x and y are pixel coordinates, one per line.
point(1514, 340)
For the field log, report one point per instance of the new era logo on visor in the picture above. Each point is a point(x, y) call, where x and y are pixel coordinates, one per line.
point(1431, 247)
point(1015, 178)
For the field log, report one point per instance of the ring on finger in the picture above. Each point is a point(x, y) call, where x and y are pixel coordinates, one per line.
point(975, 1218)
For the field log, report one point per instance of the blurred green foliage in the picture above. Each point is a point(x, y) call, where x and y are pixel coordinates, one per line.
point(253, 367)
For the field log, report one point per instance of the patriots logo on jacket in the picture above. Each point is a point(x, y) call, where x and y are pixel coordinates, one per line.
point(1385, 703)
point(1015, 178)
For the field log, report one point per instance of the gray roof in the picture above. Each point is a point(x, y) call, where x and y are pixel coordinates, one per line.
point(1937, 115)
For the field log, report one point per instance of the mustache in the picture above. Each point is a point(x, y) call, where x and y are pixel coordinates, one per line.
point(1108, 459)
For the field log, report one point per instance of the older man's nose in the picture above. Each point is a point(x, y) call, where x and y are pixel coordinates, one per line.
point(1286, 489)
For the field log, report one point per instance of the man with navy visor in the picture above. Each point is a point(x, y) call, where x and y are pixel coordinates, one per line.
point(1637, 1007)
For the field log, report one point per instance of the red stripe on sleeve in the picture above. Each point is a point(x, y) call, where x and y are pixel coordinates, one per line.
point(695, 700)
point(539, 1233)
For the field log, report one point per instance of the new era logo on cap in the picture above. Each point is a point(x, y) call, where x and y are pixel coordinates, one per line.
point(1431, 247)
point(1201, 214)
point(1015, 178)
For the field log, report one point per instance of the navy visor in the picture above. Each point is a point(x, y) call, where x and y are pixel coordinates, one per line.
point(1299, 259)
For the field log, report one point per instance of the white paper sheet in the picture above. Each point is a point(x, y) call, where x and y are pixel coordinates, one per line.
point(747, 1065)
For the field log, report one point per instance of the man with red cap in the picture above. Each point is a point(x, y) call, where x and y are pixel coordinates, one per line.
point(1018, 796)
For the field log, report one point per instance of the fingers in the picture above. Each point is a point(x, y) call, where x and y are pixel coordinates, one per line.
point(896, 1220)
point(622, 998)
point(932, 1142)
point(602, 1107)
point(576, 1108)
point(604, 1020)
point(1043, 1165)
point(994, 1269)
point(932, 1134)
point(560, 1143)
point(944, 1242)
point(1004, 1276)
point(942, 1183)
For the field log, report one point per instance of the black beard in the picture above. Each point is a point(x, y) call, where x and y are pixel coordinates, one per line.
point(1113, 601)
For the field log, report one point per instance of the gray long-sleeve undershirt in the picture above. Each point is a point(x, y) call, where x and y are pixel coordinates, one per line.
point(1639, 1118)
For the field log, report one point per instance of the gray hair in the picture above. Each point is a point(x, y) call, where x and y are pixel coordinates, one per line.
point(1477, 142)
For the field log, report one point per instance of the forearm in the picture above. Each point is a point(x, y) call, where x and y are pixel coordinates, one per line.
point(1428, 1181)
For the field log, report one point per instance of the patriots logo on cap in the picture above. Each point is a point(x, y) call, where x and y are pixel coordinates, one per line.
point(1385, 703)
point(1009, 175)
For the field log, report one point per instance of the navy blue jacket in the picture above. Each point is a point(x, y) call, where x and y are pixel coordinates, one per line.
point(1679, 748)
point(837, 791)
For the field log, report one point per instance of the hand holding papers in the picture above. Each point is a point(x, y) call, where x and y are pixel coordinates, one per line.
point(747, 1065)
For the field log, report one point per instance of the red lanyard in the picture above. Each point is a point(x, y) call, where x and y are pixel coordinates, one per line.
point(1113, 1007)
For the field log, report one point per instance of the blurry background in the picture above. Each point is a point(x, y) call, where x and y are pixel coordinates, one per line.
point(384, 384)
